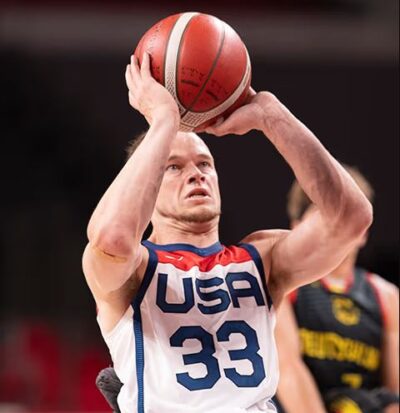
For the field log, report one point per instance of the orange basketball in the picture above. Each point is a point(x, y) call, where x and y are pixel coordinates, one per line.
point(202, 62)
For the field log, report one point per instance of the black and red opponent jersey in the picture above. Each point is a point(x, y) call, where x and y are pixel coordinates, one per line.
point(341, 332)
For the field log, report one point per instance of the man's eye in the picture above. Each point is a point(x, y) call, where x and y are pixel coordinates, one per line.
point(173, 167)
point(205, 164)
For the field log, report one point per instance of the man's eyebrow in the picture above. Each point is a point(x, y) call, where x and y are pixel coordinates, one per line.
point(174, 158)
point(206, 156)
point(201, 155)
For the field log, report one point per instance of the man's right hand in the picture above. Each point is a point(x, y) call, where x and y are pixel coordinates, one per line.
point(146, 95)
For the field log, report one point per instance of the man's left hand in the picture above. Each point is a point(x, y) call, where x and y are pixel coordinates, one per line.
point(246, 118)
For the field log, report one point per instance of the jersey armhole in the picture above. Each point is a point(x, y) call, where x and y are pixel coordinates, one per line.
point(254, 254)
point(148, 275)
point(379, 297)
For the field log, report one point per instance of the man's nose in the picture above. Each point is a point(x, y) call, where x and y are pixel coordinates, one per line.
point(195, 175)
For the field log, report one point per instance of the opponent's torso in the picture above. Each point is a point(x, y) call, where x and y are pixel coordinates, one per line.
point(199, 335)
point(341, 333)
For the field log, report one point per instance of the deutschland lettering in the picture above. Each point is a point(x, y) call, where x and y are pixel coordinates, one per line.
point(331, 346)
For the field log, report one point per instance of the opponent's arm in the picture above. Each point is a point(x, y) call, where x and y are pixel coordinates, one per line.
point(123, 213)
point(342, 212)
point(393, 408)
point(389, 294)
point(297, 390)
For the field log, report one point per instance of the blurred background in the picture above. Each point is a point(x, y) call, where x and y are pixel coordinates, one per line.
point(65, 122)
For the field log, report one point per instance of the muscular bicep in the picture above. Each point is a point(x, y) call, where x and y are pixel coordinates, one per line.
point(106, 273)
point(309, 251)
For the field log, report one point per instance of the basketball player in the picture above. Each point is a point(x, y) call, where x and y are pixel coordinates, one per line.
point(338, 338)
point(189, 322)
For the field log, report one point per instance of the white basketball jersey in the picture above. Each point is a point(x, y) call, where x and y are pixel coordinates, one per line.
point(198, 337)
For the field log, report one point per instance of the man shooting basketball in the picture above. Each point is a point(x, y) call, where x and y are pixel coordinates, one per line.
point(188, 321)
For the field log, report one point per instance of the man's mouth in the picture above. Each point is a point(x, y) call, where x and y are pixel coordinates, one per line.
point(197, 193)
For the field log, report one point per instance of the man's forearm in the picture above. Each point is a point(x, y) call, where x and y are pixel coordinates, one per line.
point(126, 207)
point(297, 391)
point(323, 179)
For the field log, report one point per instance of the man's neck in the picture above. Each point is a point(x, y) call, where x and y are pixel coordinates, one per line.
point(198, 234)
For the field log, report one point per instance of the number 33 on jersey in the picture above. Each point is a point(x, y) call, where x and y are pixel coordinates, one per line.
point(199, 334)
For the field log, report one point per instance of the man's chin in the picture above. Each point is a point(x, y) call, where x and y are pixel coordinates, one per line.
point(200, 215)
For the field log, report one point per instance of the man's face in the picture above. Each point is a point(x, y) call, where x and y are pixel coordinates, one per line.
point(189, 191)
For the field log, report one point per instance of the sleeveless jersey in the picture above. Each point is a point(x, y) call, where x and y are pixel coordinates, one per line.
point(341, 333)
point(198, 337)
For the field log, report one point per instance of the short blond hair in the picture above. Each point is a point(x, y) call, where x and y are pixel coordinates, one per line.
point(298, 202)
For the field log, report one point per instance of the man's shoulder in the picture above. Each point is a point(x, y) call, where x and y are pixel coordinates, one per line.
point(265, 240)
point(388, 297)
point(266, 235)
point(385, 287)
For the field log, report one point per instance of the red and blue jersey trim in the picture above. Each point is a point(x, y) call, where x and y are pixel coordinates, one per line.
point(186, 256)
point(204, 252)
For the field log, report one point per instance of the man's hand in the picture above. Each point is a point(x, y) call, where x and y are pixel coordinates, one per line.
point(242, 120)
point(146, 95)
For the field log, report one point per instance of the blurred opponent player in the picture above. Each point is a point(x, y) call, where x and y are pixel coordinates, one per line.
point(338, 338)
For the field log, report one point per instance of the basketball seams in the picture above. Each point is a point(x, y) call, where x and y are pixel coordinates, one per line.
point(214, 64)
point(240, 86)
point(177, 64)
point(193, 119)
point(166, 50)
point(171, 55)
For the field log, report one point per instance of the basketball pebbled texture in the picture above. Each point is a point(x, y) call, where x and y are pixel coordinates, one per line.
point(202, 62)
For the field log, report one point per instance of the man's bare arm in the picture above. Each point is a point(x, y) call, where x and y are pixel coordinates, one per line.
point(123, 213)
point(390, 345)
point(297, 390)
point(389, 296)
point(342, 213)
